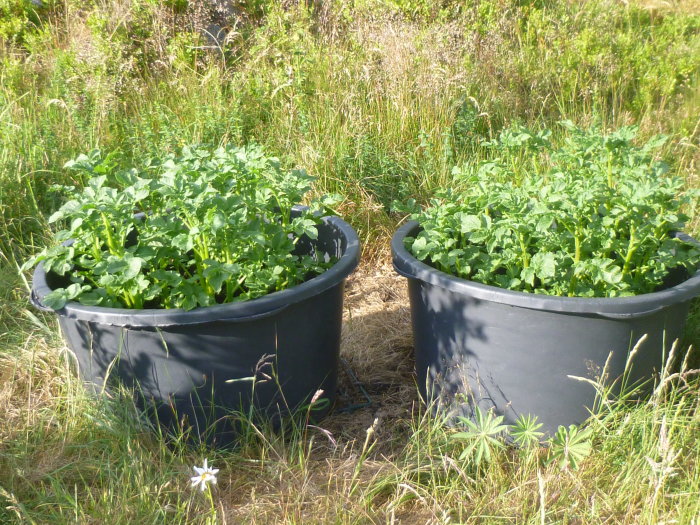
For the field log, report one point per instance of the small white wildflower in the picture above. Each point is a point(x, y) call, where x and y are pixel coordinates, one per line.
point(205, 475)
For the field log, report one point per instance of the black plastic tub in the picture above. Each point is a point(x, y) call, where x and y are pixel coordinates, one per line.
point(516, 352)
point(269, 355)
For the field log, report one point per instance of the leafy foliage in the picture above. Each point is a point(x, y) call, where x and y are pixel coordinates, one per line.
point(525, 431)
point(570, 446)
point(18, 17)
point(215, 227)
point(482, 436)
point(592, 218)
point(486, 434)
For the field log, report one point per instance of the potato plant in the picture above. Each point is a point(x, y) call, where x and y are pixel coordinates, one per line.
point(593, 217)
point(197, 229)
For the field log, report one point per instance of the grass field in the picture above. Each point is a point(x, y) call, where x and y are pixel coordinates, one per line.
point(379, 99)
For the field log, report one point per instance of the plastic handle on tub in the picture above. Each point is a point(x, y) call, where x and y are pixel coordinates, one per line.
point(403, 273)
point(254, 317)
point(631, 315)
point(191, 322)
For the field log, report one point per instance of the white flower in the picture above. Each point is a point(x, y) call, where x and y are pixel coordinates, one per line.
point(205, 475)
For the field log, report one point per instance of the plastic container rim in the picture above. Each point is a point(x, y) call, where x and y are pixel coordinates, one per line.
point(237, 311)
point(618, 307)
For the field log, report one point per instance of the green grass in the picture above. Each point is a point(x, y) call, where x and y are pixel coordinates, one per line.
point(379, 99)
point(67, 458)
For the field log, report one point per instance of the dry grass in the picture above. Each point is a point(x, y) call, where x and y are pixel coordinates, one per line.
point(691, 7)
point(377, 345)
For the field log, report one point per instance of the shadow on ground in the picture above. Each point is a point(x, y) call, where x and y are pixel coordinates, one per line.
point(377, 347)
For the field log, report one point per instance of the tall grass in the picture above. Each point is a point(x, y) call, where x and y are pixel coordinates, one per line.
point(66, 458)
point(377, 102)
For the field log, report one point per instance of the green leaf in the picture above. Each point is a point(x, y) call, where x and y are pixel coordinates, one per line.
point(169, 277)
point(527, 275)
point(74, 290)
point(470, 223)
point(305, 226)
point(419, 247)
point(545, 264)
point(182, 242)
point(56, 299)
point(137, 193)
point(96, 297)
point(218, 221)
point(525, 431)
point(133, 267)
point(217, 273)
point(570, 446)
point(482, 437)
point(544, 224)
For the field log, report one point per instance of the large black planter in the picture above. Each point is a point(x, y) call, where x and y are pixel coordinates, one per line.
point(514, 351)
point(199, 365)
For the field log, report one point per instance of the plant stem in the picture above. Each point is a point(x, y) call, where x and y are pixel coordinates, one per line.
point(230, 290)
point(111, 244)
point(523, 249)
point(578, 238)
point(130, 301)
point(577, 247)
point(631, 249)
